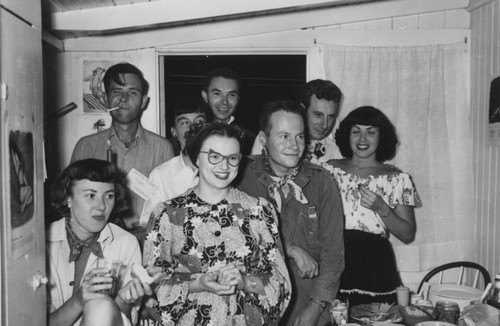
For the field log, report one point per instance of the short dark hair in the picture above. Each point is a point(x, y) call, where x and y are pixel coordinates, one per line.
point(368, 116)
point(224, 72)
point(188, 104)
point(93, 170)
point(323, 89)
point(198, 133)
point(280, 105)
point(115, 72)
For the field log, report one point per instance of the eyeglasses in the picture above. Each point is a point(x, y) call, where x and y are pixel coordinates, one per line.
point(215, 158)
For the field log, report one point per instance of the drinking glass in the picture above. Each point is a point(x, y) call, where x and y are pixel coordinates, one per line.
point(113, 266)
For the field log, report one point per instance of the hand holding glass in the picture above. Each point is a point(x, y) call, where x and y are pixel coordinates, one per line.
point(113, 267)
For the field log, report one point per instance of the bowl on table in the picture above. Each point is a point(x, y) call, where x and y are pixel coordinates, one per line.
point(434, 323)
point(460, 294)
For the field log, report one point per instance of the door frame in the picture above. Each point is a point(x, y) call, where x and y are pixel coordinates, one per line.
point(162, 54)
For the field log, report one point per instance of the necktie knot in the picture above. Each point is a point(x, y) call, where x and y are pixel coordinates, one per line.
point(318, 149)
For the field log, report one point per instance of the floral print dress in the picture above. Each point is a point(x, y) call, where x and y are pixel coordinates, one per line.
point(371, 273)
point(395, 189)
point(188, 237)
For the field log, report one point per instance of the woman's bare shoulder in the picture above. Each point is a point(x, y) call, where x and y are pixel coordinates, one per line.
point(390, 169)
point(339, 163)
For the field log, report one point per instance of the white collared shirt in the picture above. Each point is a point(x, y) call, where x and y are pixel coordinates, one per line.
point(116, 243)
point(171, 179)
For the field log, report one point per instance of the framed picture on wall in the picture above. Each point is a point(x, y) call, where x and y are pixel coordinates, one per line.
point(93, 95)
point(21, 192)
point(494, 113)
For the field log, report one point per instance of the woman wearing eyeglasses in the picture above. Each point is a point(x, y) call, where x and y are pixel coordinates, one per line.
point(216, 246)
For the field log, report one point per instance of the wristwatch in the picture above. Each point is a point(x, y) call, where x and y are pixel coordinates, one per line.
point(321, 303)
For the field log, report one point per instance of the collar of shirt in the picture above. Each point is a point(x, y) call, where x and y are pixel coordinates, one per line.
point(301, 179)
point(184, 165)
point(59, 233)
point(140, 135)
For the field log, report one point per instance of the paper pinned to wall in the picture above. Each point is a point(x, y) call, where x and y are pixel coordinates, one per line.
point(494, 113)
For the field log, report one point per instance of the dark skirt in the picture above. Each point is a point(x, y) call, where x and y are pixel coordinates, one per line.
point(370, 273)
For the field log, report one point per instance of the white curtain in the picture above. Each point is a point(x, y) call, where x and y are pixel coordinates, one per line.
point(424, 92)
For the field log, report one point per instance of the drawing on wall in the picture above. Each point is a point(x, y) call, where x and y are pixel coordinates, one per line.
point(94, 96)
point(494, 112)
point(22, 206)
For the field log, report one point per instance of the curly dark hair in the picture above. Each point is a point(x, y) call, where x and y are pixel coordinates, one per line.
point(368, 116)
point(198, 133)
point(322, 89)
point(93, 170)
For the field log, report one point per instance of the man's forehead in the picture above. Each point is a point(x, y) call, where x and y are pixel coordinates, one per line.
point(129, 80)
point(322, 105)
point(286, 122)
point(223, 84)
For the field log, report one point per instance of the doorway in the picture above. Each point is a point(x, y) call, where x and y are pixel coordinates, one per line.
point(265, 77)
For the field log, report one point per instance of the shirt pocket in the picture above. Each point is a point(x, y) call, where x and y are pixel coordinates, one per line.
point(307, 230)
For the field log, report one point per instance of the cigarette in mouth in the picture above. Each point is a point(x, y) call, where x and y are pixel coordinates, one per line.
point(112, 109)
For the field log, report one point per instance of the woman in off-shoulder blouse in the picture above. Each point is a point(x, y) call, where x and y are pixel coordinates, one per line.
point(378, 200)
point(217, 247)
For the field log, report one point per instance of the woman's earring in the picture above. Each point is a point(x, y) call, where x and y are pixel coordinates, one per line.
point(69, 204)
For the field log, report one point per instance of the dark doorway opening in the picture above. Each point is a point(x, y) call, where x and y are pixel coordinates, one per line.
point(265, 77)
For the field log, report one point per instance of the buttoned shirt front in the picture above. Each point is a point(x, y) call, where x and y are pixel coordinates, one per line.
point(317, 226)
point(116, 243)
point(146, 152)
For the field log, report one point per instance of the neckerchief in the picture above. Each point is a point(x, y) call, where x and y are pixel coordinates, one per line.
point(76, 245)
point(317, 148)
point(286, 184)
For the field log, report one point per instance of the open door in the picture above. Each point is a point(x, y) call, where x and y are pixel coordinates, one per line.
point(22, 246)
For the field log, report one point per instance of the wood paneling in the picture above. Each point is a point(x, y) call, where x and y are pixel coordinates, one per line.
point(21, 228)
point(485, 65)
point(28, 10)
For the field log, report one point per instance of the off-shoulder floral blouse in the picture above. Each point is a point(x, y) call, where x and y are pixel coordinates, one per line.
point(188, 237)
point(395, 189)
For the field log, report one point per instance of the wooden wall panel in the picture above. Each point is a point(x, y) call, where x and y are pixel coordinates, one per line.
point(405, 22)
point(485, 65)
point(456, 19)
point(433, 20)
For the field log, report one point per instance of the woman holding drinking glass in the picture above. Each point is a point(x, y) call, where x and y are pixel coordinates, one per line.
point(85, 195)
point(216, 246)
point(378, 200)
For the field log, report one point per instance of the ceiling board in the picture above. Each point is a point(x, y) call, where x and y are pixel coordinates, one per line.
point(67, 19)
point(175, 11)
point(53, 6)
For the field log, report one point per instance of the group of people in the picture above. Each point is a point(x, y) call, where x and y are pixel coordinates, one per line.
point(270, 238)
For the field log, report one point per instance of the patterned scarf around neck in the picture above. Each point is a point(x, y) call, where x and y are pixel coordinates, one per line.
point(76, 245)
point(286, 184)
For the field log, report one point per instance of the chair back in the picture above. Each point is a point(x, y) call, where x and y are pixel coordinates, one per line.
point(472, 272)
